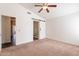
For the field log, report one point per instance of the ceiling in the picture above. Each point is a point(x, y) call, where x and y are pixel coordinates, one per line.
point(61, 9)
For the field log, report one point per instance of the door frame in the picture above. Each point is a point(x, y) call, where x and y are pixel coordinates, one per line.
point(38, 29)
point(10, 30)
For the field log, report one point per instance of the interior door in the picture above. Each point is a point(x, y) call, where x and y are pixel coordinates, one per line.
point(42, 31)
point(0, 32)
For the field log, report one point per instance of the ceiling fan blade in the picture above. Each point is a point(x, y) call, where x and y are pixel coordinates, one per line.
point(38, 5)
point(40, 10)
point(47, 10)
point(52, 5)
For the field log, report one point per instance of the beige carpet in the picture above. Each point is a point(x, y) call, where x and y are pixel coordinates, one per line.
point(45, 47)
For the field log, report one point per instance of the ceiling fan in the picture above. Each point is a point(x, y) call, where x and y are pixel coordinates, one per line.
point(45, 6)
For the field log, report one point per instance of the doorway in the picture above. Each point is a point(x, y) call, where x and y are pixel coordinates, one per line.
point(35, 30)
point(8, 25)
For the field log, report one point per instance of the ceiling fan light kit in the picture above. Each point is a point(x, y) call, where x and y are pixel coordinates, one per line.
point(45, 7)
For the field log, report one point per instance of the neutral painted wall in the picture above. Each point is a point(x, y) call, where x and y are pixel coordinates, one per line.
point(64, 28)
point(6, 29)
point(24, 22)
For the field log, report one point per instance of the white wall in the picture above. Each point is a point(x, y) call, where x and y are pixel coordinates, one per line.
point(6, 29)
point(24, 23)
point(64, 28)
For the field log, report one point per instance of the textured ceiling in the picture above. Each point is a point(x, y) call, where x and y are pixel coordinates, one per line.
point(61, 9)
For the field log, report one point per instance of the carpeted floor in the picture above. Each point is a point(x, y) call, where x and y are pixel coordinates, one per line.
point(44, 47)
